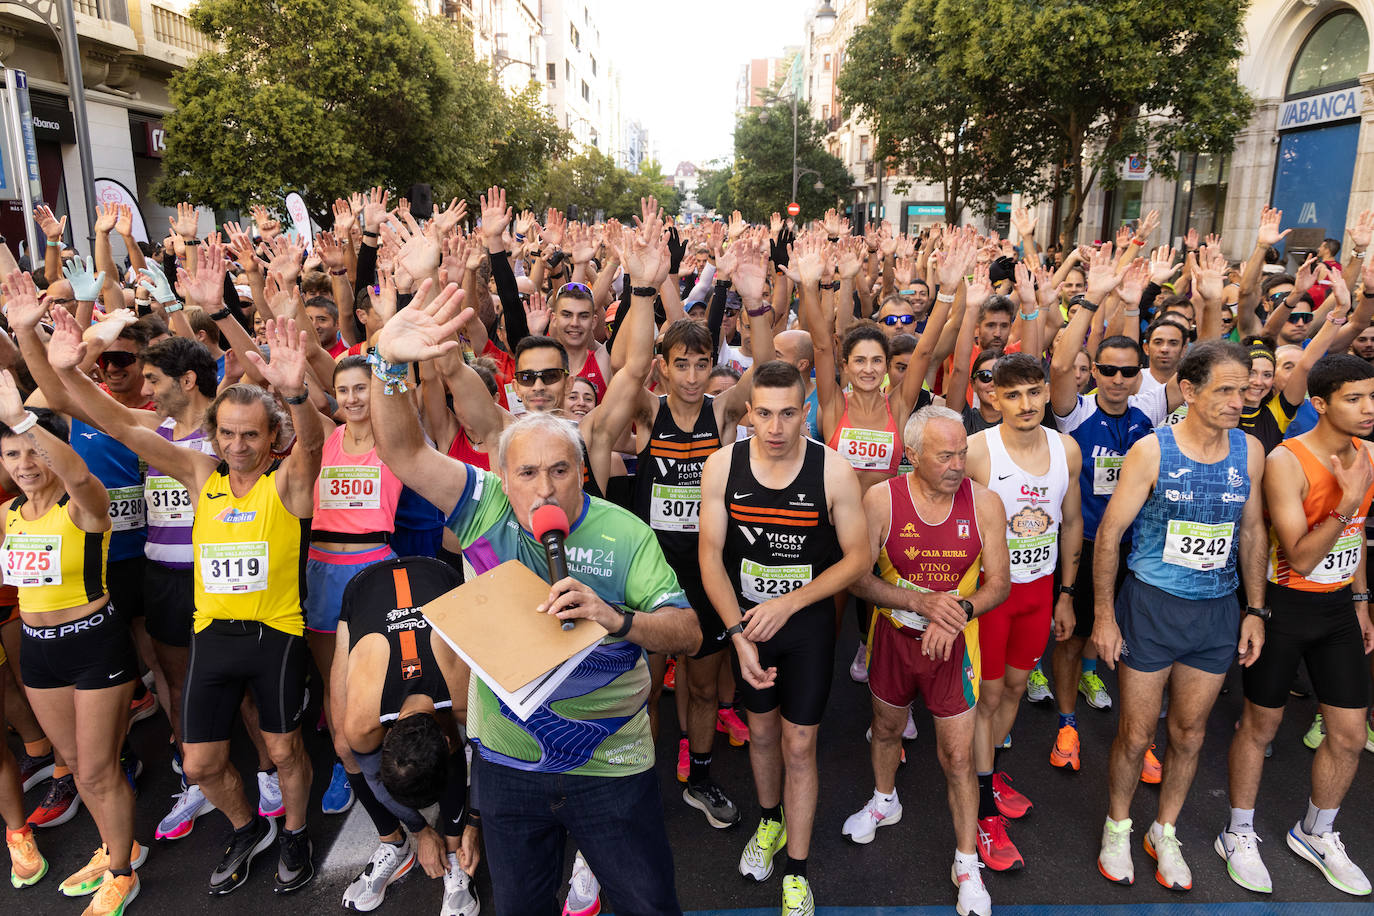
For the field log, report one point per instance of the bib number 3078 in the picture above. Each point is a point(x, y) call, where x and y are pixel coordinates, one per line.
point(1198, 546)
point(230, 569)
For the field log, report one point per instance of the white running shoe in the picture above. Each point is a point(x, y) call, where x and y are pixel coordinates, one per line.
point(1038, 687)
point(388, 865)
point(1243, 862)
point(1163, 846)
point(584, 891)
point(974, 899)
point(270, 803)
point(858, 668)
point(459, 897)
point(1114, 861)
point(909, 733)
point(862, 827)
point(1094, 691)
point(1327, 852)
point(189, 804)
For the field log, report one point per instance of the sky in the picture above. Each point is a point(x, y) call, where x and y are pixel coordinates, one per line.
point(679, 63)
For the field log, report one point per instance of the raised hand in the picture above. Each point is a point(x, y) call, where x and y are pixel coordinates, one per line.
point(1021, 221)
point(51, 226)
point(286, 372)
point(106, 215)
point(555, 224)
point(343, 218)
point(103, 334)
point(496, 216)
point(206, 289)
point(1048, 290)
point(124, 221)
point(1162, 267)
point(1147, 226)
point(980, 290)
point(851, 259)
point(1132, 285)
point(1269, 233)
point(446, 219)
point(1025, 286)
point(1190, 239)
point(751, 267)
point(186, 221)
point(1306, 275)
point(286, 257)
point(580, 243)
point(1123, 238)
point(11, 401)
point(1103, 276)
point(737, 226)
point(23, 309)
point(66, 348)
point(86, 283)
point(537, 313)
point(807, 259)
point(1363, 230)
point(155, 282)
point(959, 256)
point(382, 296)
point(421, 332)
point(419, 254)
point(331, 251)
point(374, 209)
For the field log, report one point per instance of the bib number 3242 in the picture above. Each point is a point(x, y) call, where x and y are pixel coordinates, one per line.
point(1198, 546)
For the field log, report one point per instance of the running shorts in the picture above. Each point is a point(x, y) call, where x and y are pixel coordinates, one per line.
point(92, 653)
point(898, 671)
point(1016, 631)
point(231, 656)
point(803, 651)
point(1320, 628)
point(1159, 629)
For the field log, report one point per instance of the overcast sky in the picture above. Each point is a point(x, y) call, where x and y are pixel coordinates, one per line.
point(679, 63)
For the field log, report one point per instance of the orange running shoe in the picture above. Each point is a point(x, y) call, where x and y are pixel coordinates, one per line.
point(670, 675)
point(729, 722)
point(27, 866)
point(115, 894)
point(1065, 751)
point(684, 762)
point(1152, 771)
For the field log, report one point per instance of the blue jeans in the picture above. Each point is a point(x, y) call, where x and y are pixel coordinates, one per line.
point(617, 823)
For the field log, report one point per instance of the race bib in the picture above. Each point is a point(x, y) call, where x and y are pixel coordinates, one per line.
point(1033, 557)
point(168, 501)
point(513, 402)
point(1198, 546)
point(1106, 470)
point(867, 449)
point(350, 486)
point(231, 569)
point(761, 583)
point(33, 559)
point(1338, 566)
point(674, 508)
point(126, 508)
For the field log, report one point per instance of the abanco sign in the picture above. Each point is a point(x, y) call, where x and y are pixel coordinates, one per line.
point(1318, 109)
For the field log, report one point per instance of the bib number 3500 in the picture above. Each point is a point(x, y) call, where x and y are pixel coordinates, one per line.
point(230, 569)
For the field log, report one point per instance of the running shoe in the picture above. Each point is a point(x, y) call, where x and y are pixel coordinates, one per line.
point(27, 865)
point(584, 891)
point(243, 848)
point(684, 760)
point(670, 675)
point(388, 865)
point(1163, 846)
point(1316, 734)
point(1243, 862)
point(796, 897)
point(858, 668)
point(1065, 750)
point(863, 825)
point(1368, 737)
point(1327, 852)
point(338, 798)
point(88, 878)
point(1094, 691)
point(1151, 771)
point(909, 731)
point(115, 894)
point(142, 709)
point(974, 899)
point(132, 767)
point(995, 848)
point(59, 805)
point(177, 768)
point(868, 736)
point(1164, 703)
point(460, 899)
point(1114, 861)
point(1006, 742)
point(710, 800)
point(33, 770)
point(729, 722)
point(768, 840)
point(189, 804)
point(1010, 803)
point(1038, 687)
point(294, 865)
point(270, 803)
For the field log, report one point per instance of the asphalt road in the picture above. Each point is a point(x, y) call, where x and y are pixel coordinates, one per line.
point(906, 866)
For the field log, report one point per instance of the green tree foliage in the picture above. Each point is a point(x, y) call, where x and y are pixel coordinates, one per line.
point(329, 96)
point(592, 182)
point(761, 183)
point(1054, 93)
point(713, 186)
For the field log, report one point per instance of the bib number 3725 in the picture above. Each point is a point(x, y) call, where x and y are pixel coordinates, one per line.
point(230, 569)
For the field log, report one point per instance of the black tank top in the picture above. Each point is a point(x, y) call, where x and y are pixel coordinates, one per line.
point(777, 540)
point(589, 484)
point(386, 598)
point(668, 481)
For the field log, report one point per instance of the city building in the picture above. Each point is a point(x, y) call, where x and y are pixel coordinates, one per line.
point(507, 34)
point(760, 75)
point(579, 84)
point(129, 50)
point(634, 147)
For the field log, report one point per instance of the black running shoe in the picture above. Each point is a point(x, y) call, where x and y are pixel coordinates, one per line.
point(244, 846)
point(294, 868)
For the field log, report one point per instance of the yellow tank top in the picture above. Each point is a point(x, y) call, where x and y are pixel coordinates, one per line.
point(54, 564)
point(249, 555)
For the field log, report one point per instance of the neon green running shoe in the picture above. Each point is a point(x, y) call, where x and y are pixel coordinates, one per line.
point(796, 897)
point(768, 840)
point(1317, 733)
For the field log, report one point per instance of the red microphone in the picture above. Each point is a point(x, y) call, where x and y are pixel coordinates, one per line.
point(550, 526)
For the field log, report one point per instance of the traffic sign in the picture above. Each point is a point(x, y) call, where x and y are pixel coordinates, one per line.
point(793, 208)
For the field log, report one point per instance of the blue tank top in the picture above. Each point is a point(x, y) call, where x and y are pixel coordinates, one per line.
point(1104, 440)
point(122, 474)
point(1186, 533)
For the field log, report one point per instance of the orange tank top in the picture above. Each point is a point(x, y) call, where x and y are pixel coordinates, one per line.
point(868, 449)
point(1335, 570)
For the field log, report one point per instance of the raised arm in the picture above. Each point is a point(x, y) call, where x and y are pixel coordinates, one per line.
point(286, 374)
point(89, 500)
point(750, 269)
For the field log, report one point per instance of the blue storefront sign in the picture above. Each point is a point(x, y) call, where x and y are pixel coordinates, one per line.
point(1313, 175)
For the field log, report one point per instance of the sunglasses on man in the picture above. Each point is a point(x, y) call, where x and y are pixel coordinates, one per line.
point(1106, 370)
point(893, 320)
point(117, 358)
point(528, 377)
point(1299, 317)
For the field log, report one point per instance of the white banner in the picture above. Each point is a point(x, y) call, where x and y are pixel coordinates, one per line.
point(300, 217)
point(109, 191)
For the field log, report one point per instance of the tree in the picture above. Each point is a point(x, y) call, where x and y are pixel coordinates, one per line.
point(927, 124)
point(650, 181)
point(592, 182)
point(527, 141)
point(713, 186)
point(761, 183)
point(1096, 82)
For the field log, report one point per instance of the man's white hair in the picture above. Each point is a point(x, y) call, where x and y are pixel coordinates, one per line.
point(540, 424)
point(915, 433)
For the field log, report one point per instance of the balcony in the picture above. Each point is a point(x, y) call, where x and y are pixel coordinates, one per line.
point(112, 10)
point(832, 124)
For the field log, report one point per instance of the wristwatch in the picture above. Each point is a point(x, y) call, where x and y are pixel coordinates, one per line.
point(967, 605)
point(627, 621)
point(1357, 597)
point(1263, 613)
point(737, 628)
point(1066, 590)
point(1084, 302)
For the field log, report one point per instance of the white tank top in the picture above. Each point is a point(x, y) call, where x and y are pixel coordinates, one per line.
point(1034, 505)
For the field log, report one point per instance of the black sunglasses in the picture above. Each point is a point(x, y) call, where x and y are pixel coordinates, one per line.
point(1295, 317)
point(119, 358)
point(894, 320)
point(528, 377)
point(1109, 371)
point(983, 375)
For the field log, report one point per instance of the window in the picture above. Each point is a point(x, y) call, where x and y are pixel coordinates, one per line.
point(1334, 55)
point(593, 59)
point(1200, 195)
point(586, 92)
point(827, 62)
point(574, 36)
point(567, 70)
point(863, 149)
point(551, 71)
point(825, 112)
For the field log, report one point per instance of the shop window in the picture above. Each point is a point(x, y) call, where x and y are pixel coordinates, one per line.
point(1200, 194)
point(1333, 56)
